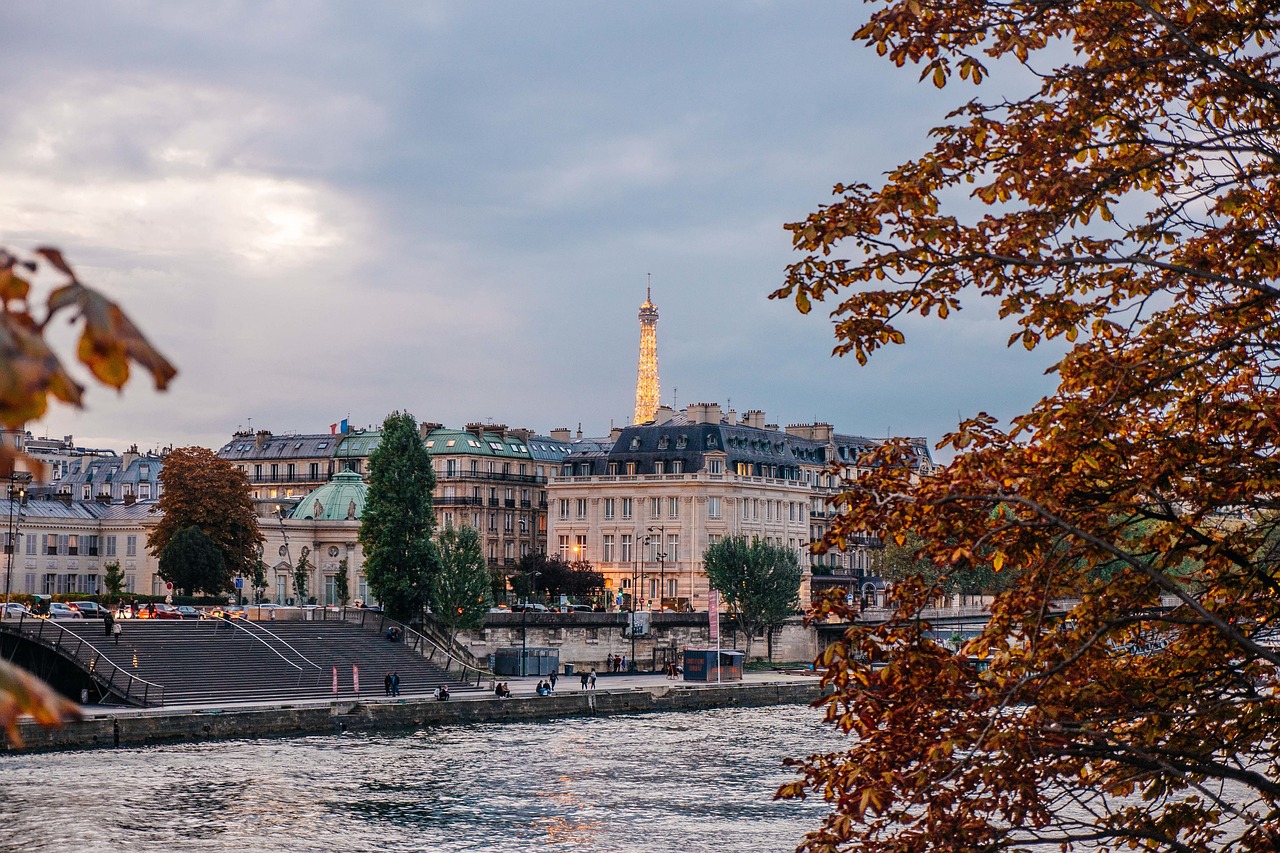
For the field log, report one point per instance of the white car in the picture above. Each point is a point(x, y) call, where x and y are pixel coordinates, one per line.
point(58, 610)
point(13, 610)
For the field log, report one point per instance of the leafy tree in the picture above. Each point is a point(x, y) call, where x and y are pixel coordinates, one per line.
point(760, 582)
point(30, 371)
point(341, 582)
point(460, 594)
point(398, 521)
point(113, 580)
point(1123, 205)
point(259, 580)
point(192, 562)
point(301, 574)
point(578, 579)
point(199, 489)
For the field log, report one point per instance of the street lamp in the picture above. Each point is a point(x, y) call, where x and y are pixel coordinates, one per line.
point(22, 477)
point(524, 628)
point(662, 565)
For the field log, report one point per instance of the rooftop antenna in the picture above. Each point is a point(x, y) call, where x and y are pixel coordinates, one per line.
point(675, 397)
point(648, 287)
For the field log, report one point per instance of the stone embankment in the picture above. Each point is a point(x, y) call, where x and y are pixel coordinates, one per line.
point(128, 727)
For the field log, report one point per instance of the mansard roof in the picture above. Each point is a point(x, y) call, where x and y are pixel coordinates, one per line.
point(266, 447)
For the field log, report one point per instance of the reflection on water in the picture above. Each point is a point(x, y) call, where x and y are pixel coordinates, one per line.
point(656, 782)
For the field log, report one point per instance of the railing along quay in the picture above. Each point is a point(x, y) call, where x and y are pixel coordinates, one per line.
point(71, 646)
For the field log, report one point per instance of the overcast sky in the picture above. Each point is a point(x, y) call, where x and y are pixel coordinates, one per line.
point(323, 210)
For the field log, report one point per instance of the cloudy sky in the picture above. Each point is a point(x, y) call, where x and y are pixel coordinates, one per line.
point(329, 210)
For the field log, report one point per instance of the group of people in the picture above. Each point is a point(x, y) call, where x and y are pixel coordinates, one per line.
point(616, 663)
point(441, 693)
point(674, 670)
point(391, 684)
point(393, 634)
point(588, 679)
point(502, 690)
point(112, 626)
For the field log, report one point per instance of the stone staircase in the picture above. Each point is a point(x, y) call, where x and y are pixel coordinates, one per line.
point(215, 661)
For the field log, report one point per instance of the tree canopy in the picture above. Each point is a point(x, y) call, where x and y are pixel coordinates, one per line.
point(199, 489)
point(759, 581)
point(192, 562)
point(1125, 205)
point(398, 521)
point(460, 589)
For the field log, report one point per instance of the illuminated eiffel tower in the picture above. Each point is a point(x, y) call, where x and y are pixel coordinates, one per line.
point(647, 373)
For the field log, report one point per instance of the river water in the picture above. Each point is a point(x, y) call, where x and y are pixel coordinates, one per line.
point(653, 782)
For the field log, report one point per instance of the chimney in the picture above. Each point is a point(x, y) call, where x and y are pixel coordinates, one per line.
point(130, 499)
point(732, 416)
point(261, 440)
point(560, 434)
point(615, 433)
point(753, 418)
point(703, 413)
point(664, 414)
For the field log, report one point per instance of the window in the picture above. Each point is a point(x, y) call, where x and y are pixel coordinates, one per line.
point(582, 507)
point(111, 546)
point(291, 471)
point(626, 507)
point(131, 546)
point(313, 471)
point(32, 545)
point(712, 539)
point(144, 491)
point(508, 523)
point(613, 468)
point(607, 554)
point(673, 547)
point(564, 507)
point(579, 547)
point(87, 493)
point(677, 466)
point(51, 544)
point(448, 519)
point(509, 551)
point(673, 507)
point(631, 469)
point(655, 507)
point(564, 548)
point(625, 556)
point(609, 504)
point(8, 543)
point(73, 545)
point(713, 507)
point(493, 521)
point(659, 467)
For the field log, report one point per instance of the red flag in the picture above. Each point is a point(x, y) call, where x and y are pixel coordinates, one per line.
point(355, 677)
point(335, 681)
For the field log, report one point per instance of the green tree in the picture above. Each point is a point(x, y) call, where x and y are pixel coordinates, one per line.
point(200, 489)
point(460, 593)
point(1116, 195)
point(113, 580)
point(341, 580)
point(398, 520)
point(190, 561)
point(759, 582)
point(259, 580)
point(301, 574)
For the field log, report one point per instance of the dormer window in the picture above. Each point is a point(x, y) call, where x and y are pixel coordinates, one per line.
point(663, 442)
point(682, 441)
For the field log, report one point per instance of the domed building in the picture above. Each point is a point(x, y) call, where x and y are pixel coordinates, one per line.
point(324, 530)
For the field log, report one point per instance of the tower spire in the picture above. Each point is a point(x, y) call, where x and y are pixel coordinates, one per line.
point(647, 396)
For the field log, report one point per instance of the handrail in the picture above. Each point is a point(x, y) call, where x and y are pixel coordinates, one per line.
point(414, 640)
point(282, 641)
point(91, 664)
point(248, 633)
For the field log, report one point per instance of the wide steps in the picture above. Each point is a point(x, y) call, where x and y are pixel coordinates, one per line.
point(211, 661)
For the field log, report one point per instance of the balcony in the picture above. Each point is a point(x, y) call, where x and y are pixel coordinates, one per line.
point(509, 502)
point(459, 500)
point(484, 475)
point(493, 501)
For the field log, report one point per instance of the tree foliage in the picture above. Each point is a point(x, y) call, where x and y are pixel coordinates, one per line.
point(113, 580)
point(200, 489)
point(398, 520)
point(1126, 206)
point(301, 577)
point(192, 562)
point(460, 589)
point(759, 581)
point(342, 582)
point(31, 371)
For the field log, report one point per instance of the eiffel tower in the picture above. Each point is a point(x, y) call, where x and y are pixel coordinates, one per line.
point(647, 373)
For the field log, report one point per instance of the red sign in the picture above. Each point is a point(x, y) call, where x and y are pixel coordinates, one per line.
point(713, 616)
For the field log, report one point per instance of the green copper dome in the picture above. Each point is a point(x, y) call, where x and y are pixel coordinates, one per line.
point(340, 499)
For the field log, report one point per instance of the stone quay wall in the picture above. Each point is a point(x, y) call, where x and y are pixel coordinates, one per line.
point(589, 639)
point(131, 728)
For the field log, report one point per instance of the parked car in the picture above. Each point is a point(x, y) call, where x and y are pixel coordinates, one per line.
point(529, 607)
point(186, 611)
point(13, 610)
point(58, 610)
point(575, 608)
point(90, 609)
point(162, 611)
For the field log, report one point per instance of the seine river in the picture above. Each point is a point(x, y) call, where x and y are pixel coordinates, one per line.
point(657, 782)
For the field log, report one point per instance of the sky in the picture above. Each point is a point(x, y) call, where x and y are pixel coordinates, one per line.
point(321, 211)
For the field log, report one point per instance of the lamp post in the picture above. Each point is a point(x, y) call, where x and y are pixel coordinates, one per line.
point(524, 628)
point(662, 565)
point(14, 477)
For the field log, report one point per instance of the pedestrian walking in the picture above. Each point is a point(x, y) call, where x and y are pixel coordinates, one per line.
point(583, 680)
point(395, 684)
point(108, 623)
point(623, 665)
point(554, 679)
point(386, 685)
point(116, 628)
point(593, 678)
